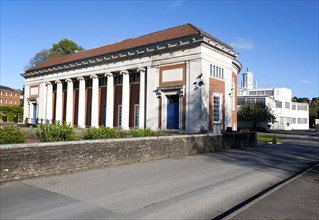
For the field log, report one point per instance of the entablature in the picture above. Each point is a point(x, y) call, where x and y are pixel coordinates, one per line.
point(116, 56)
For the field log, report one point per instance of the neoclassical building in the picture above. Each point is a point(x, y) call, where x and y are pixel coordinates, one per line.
point(179, 78)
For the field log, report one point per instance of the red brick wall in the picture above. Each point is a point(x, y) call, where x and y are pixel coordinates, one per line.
point(64, 100)
point(117, 102)
point(75, 106)
point(7, 97)
point(53, 105)
point(216, 85)
point(102, 95)
point(134, 99)
point(88, 105)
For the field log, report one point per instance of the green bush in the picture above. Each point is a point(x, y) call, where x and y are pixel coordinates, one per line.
point(10, 134)
point(100, 133)
point(145, 132)
point(244, 130)
point(12, 112)
point(56, 132)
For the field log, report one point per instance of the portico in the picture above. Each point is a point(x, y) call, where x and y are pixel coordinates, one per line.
point(84, 100)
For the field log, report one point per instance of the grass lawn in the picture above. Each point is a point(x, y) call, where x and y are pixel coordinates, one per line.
point(283, 131)
point(266, 138)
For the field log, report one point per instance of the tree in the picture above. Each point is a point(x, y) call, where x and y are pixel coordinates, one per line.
point(39, 58)
point(313, 111)
point(302, 100)
point(64, 47)
point(256, 113)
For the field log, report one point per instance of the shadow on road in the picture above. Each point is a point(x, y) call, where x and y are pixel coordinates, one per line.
point(270, 157)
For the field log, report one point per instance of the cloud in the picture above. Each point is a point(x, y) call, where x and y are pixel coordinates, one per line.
point(305, 81)
point(242, 43)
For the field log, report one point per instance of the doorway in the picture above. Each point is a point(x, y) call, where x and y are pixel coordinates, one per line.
point(172, 112)
point(34, 114)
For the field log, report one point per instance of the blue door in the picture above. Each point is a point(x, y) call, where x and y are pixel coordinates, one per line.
point(34, 118)
point(173, 112)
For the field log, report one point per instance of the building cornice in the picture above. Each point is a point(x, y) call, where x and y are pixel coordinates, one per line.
point(237, 65)
point(220, 47)
point(129, 54)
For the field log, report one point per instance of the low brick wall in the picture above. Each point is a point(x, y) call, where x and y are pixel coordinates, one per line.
point(238, 140)
point(21, 161)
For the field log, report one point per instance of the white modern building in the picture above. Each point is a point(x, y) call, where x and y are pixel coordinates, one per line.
point(289, 115)
point(178, 78)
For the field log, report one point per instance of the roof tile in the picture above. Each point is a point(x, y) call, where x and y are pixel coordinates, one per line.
point(148, 39)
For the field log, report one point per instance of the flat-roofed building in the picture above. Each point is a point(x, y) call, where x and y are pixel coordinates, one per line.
point(289, 115)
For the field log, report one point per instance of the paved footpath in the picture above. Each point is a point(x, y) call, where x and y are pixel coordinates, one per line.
point(298, 199)
point(197, 187)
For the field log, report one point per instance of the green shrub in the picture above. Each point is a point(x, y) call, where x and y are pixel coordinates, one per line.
point(55, 132)
point(10, 134)
point(100, 133)
point(244, 130)
point(145, 132)
point(12, 112)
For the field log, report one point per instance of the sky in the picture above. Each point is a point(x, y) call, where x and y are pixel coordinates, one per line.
point(276, 40)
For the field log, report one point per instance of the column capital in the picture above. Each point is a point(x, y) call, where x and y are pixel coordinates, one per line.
point(48, 83)
point(58, 81)
point(108, 74)
point(141, 69)
point(68, 80)
point(124, 72)
point(93, 76)
point(80, 78)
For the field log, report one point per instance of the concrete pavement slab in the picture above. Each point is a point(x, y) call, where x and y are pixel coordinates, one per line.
point(299, 199)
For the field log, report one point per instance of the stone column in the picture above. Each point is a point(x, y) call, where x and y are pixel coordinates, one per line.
point(42, 103)
point(141, 116)
point(95, 101)
point(58, 109)
point(69, 102)
point(26, 104)
point(48, 116)
point(125, 100)
point(29, 113)
point(110, 100)
point(31, 109)
point(81, 110)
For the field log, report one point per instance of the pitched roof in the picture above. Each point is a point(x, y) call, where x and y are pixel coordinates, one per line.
point(148, 39)
point(7, 88)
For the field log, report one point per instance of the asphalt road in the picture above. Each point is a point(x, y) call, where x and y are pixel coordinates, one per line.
point(197, 187)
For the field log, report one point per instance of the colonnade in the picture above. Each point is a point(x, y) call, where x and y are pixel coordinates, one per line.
point(47, 107)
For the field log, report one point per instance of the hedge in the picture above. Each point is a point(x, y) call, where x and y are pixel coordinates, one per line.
point(11, 112)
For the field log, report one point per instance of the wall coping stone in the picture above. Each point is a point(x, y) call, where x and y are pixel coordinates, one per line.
point(134, 139)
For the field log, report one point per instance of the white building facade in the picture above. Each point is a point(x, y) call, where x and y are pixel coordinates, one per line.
point(289, 115)
point(179, 78)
